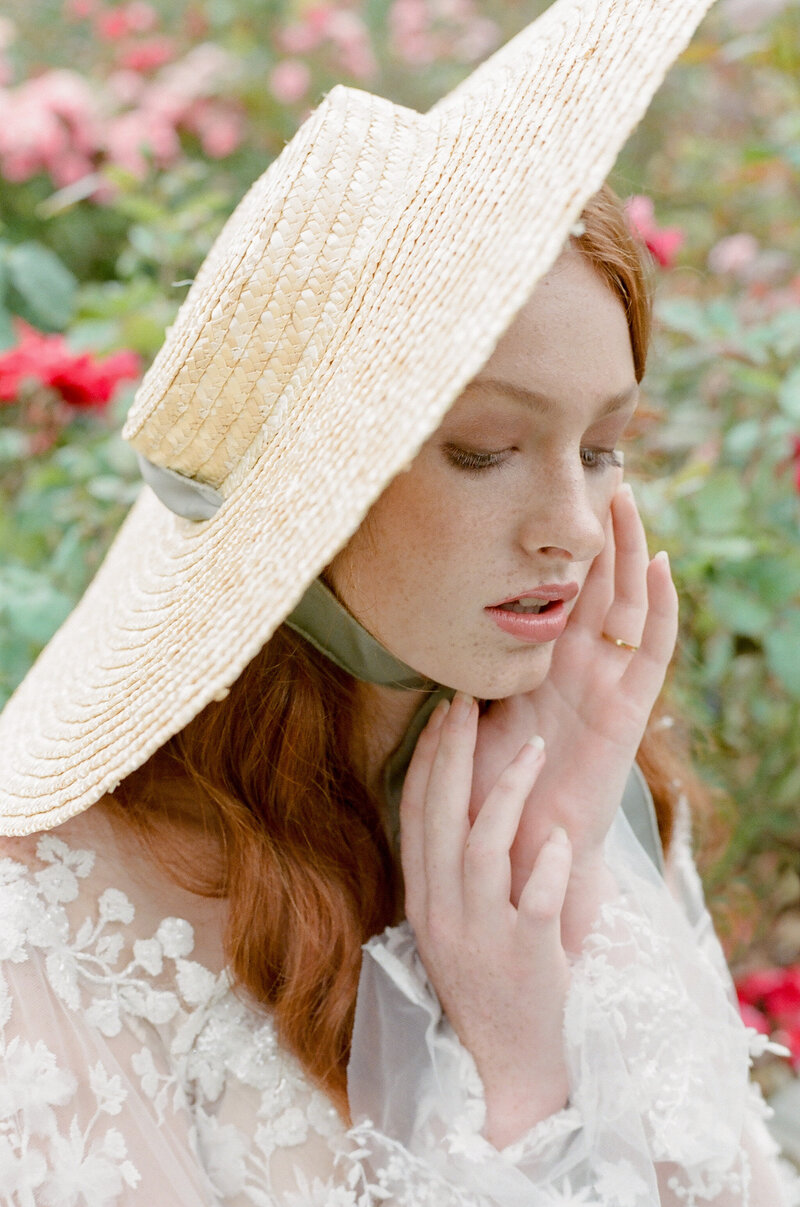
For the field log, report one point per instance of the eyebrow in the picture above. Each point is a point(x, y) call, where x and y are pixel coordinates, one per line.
point(533, 398)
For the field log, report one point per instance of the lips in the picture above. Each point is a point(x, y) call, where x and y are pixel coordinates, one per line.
point(550, 592)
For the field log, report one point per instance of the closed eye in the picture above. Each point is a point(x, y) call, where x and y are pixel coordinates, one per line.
point(472, 462)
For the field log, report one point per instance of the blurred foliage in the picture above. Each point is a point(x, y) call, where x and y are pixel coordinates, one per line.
point(712, 450)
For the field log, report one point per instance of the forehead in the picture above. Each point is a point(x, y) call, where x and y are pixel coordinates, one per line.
point(571, 333)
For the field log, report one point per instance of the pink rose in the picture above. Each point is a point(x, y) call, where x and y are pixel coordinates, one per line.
point(289, 81)
point(661, 242)
point(147, 56)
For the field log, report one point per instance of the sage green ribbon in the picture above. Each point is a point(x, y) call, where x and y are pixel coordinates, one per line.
point(335, 632)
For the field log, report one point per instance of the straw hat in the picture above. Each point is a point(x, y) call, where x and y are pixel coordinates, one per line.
point(360, 284)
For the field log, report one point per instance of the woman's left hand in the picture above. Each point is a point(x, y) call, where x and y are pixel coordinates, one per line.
point(593, 706)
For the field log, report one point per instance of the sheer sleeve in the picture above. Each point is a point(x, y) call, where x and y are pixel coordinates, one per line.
point(660, 1110)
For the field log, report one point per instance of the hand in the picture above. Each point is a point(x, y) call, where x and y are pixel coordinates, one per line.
point(500, 971)
point(593, 706)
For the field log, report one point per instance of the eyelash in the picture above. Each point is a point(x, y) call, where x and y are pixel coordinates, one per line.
point(476, 463)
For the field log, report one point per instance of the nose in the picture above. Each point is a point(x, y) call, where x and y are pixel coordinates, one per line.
point(563, 518)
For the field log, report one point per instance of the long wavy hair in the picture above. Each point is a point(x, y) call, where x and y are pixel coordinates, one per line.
point(267, 776)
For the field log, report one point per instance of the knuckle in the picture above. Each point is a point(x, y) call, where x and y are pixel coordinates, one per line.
point(539, 907)
point(483, 850)
point(508, 780)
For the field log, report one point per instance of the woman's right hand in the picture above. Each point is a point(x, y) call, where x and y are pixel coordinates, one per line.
point(500, 971)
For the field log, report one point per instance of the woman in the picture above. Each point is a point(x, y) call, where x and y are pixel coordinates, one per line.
point(548, 1025)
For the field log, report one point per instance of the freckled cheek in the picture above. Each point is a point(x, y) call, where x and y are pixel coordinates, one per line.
point(412, 537)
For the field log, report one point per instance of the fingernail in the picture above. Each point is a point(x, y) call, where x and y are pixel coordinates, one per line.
point(462, 704)
point(439, 713)
point(664, 556)
point(559, 835)
point(536, 741)
point(628, 489)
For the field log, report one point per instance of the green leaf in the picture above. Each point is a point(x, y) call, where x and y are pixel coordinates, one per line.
point(742, 440)
point(776, 579)
point(42, 290)
point(113, 490)
point(7, 336)
point(740, 611)
point(782, 646)
point(789, 394)
point(720, 502)
point(683, 315)
point(783, 331)
point(14, 445)
point(30, 607)
point(713, 550)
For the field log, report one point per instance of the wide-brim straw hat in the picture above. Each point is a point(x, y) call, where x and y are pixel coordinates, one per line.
point(359, 285)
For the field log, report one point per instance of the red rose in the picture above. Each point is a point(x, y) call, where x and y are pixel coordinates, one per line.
point(33, 358)
point(753, 987)
point(754, 1018)
point(83, 382)
point(47, 360)
point(783, 1000)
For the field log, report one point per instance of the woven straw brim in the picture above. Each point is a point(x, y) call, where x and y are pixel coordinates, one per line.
point(476, 200)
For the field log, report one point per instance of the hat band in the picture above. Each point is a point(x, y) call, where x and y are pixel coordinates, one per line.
point(185, 496)
point(318, 616)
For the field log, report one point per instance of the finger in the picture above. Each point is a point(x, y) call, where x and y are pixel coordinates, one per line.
point(626, 614)
point(542, 899)
point(412, 802)
point(644, 676)
point(487, 861)
point(598, 590)
point(446, 811)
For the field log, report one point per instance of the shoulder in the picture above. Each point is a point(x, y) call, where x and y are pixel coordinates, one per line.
point(110, 934)
point(115, 1001)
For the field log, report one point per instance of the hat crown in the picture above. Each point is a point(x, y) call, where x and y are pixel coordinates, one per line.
point(264, 311)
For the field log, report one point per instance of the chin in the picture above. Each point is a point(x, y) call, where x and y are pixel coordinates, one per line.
point(510, 680)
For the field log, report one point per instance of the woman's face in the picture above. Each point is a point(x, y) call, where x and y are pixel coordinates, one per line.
point(509, 496)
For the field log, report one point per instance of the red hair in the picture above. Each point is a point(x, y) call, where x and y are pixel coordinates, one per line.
point(304, 860)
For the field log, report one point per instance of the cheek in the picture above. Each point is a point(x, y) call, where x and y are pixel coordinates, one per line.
point(398, 548)
point(423, 521)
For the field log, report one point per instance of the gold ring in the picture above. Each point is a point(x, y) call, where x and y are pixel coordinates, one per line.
point(617, 641)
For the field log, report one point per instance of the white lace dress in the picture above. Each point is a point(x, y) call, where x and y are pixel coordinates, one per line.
point(131, 1073)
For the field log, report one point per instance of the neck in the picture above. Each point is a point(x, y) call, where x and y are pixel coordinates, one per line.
point(381, 718)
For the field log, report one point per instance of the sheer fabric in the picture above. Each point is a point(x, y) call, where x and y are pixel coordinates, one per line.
point(132, 1073)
